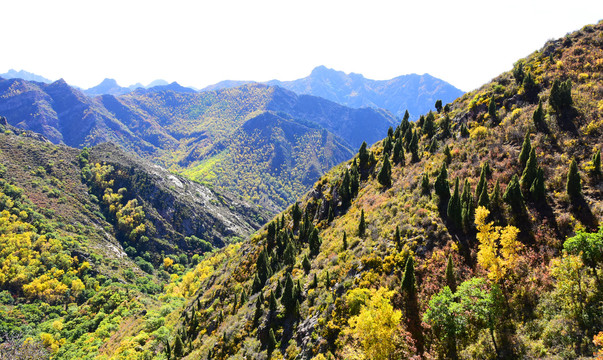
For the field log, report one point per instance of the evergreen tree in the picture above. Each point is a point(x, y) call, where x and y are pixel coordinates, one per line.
point(344, 189)
point(425, 187)
point(596, 171)
point(447, 108)
point(409, 286)
point(270, 236)
point(538, 117)
point(454, 206)
point(272, 302)
point(538, 190)
point(468, 207)
point(345, 242)
point(361, 225)
point(433, 145)
point(385, 175)
point(271, 343)
point(492, 111)
point(258, 311)
point(406, 117)
point(289, 254)
point(414, 147)
point(448, 155)
point(288, 299)
point(513, 197)
point(438, 105)
point(296, 215)
point(561, 95)
point(429, 125)
point(263, 267)
point(530, 88)
point(328, 281)
point(518, 72)
point(257, 284)
point(178, 348)
point(445, 126)
point(314, 281)
point(574, 184)
point(314, 243)
point(387, 145)
point(330, 214)
point(450, 275)
point(408, 138)
point(411, 305)
point(363, 157)
point(278, 291)
point(496, 201)
point(481, 183)
point(390, 132)
point(398, 156)
point(306, 264)
point(529, 173)
point(526, 148)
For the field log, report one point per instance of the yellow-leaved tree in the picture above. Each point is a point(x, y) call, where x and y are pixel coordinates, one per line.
point(498, 247)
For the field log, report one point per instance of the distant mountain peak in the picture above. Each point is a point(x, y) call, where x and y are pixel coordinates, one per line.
point(25, 75)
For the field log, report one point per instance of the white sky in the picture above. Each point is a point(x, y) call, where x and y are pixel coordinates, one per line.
point(198, 43)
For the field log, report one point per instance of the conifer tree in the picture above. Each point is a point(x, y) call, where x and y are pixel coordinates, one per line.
point(278, 291)
point(271, 343)
point(390, 132)
point(481, 183)
point(529, 173)
point(596, 171)
point(288, 299)
point(425, 187)
point(414, 147)
point(467, 206)
point(513, 196)
point(272, 302)
point(538, 190)
point(398, 155)
point(438, 105)
point(561, 95)
point(314, 243)
point(433, 145)
point(330, 214)
point(454, 206)
point(397, 239)
point(530, 88)
point(445, 126)
point(492, 111)
point(411, 306)
point(270, 236)
point(496, 201)
point(328, 281)
point(441, 185)
point(387, 145)
point(408, 138)
point(257, 285)
point(314, 281)
point(289, 254)
point(538, 117)
point(448, 155)
point(296, 215)
point(263, 267)
point(178, 348)
point(361, 225)
point(344, 189)
point(363, 157)
point(385, 175)
point(429, 125)
point(306, 264)
point(574, 184)
point(450, 275)
point(526, 148)
point(344, 242)
point(406, 117)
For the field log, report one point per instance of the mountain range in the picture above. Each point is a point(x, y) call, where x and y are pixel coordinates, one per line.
point(214, 137)
point(414, 93)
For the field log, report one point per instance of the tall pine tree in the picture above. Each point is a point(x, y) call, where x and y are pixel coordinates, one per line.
point(454, 206)
point(385, 175)
point(361, 225)
point(574, 184)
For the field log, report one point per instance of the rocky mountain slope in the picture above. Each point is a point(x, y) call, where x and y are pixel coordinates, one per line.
point(414, 93)
point(473, 233)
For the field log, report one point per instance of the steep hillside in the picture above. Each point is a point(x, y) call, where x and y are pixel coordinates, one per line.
point(413, 93)
point(481, 241)
point(86, 232)
point(192, 132)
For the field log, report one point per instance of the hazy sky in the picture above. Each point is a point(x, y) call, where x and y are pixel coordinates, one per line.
point(198, 43)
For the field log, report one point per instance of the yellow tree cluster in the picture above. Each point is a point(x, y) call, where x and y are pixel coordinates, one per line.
point(498, 247)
